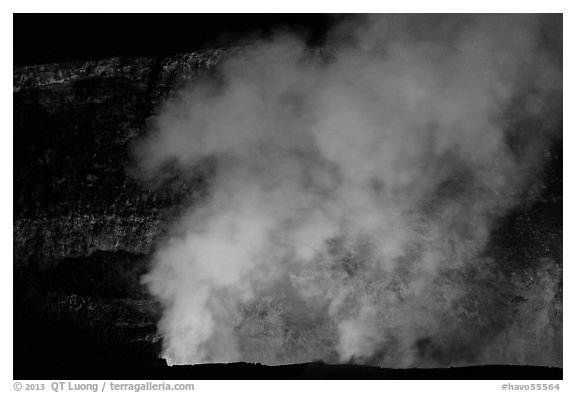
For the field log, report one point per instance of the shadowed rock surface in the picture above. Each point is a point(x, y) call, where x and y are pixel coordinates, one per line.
point(83, 226)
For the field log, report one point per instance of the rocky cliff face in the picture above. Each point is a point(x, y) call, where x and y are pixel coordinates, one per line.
point(73, 127)
point(85, 224)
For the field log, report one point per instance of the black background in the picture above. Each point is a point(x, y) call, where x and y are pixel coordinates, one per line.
point(41, 38)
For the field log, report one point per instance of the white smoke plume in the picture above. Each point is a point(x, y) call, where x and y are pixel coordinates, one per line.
point(366, 177)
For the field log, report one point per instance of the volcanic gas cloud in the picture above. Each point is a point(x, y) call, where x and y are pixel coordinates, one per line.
point(355, 192)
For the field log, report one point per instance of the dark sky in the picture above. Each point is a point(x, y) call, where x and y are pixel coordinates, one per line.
point(46, 38)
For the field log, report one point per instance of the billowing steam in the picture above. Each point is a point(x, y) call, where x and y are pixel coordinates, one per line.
point(354, 194)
